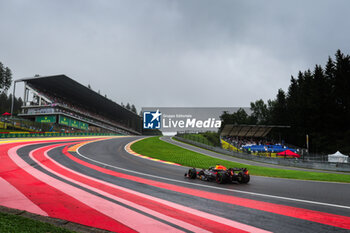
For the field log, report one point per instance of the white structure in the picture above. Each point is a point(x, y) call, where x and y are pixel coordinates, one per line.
point(338, 157)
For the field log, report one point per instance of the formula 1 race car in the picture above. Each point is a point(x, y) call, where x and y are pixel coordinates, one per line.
point(220, 174)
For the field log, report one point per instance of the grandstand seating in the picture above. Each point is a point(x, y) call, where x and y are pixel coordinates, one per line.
point(257, 145)
point(267, 148)
point(59, 96)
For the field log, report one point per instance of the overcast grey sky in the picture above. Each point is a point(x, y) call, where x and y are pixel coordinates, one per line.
point(173, 53)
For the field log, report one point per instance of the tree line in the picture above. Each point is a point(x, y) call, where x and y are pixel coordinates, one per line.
point(5, 84)
point(5, 78)
point(130, 107)
point(5, 103)
point(317, 104)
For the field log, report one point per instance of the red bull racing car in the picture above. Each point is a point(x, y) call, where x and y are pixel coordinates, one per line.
point(220, 174)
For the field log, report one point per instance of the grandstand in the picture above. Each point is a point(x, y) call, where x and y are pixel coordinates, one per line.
point(252, 138)
point(68, 106)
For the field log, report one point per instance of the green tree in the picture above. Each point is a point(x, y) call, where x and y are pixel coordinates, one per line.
point(342, 99)
point(240, 117)
point(277, 113)
point(133, 109)
point(260, 112)
point(5, 78)
point(3, 103)
point(318, 104)
point(18, 103)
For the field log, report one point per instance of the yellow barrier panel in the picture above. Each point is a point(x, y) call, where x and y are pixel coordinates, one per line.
point(227, 146)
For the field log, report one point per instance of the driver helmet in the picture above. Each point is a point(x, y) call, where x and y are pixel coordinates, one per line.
point(220, 167)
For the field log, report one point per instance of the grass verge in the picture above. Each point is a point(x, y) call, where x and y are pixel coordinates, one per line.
point(14, 223)
point(155, 148)
point(198, 138)
point(7, 130)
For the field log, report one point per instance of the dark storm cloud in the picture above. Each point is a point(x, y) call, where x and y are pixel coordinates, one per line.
point(173, 53)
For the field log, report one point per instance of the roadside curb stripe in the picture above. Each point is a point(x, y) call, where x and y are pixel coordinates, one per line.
point(134, 199)
point(180, 215)
point(76, 146)
point(13, 198)
point(130, 151)
point(129, 218)
point(295, 212)
point(49, 139)
point(52, 200)
point(20, 175)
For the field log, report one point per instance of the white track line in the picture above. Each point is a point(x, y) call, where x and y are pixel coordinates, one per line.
point(124, 215)
point(11, 197)
point(119, 199)
point(155, 213)
point(278, 166)
point(212, 187)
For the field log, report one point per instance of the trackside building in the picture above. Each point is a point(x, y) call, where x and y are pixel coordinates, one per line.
point(70, 106)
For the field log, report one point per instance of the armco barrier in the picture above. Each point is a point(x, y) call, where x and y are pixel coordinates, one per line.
point(341, 167)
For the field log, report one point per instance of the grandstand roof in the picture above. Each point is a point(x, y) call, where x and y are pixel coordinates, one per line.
point(248, 130)
point(80, 95)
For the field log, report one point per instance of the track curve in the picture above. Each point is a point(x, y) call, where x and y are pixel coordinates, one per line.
point(99, 184)
point(239, 160)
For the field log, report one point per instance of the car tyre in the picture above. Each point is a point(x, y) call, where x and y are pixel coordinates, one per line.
point(246, 179)
point(240, 178)
point(221, 178)
point(192, 173)
point(243, 178)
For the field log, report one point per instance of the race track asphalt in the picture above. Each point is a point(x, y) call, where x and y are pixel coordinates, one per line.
point(112, 152)
point(101, 185)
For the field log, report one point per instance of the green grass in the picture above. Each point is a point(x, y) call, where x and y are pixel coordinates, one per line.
point(198, 138)
point(155, 148)
point(6, 130)
point(15, 223)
